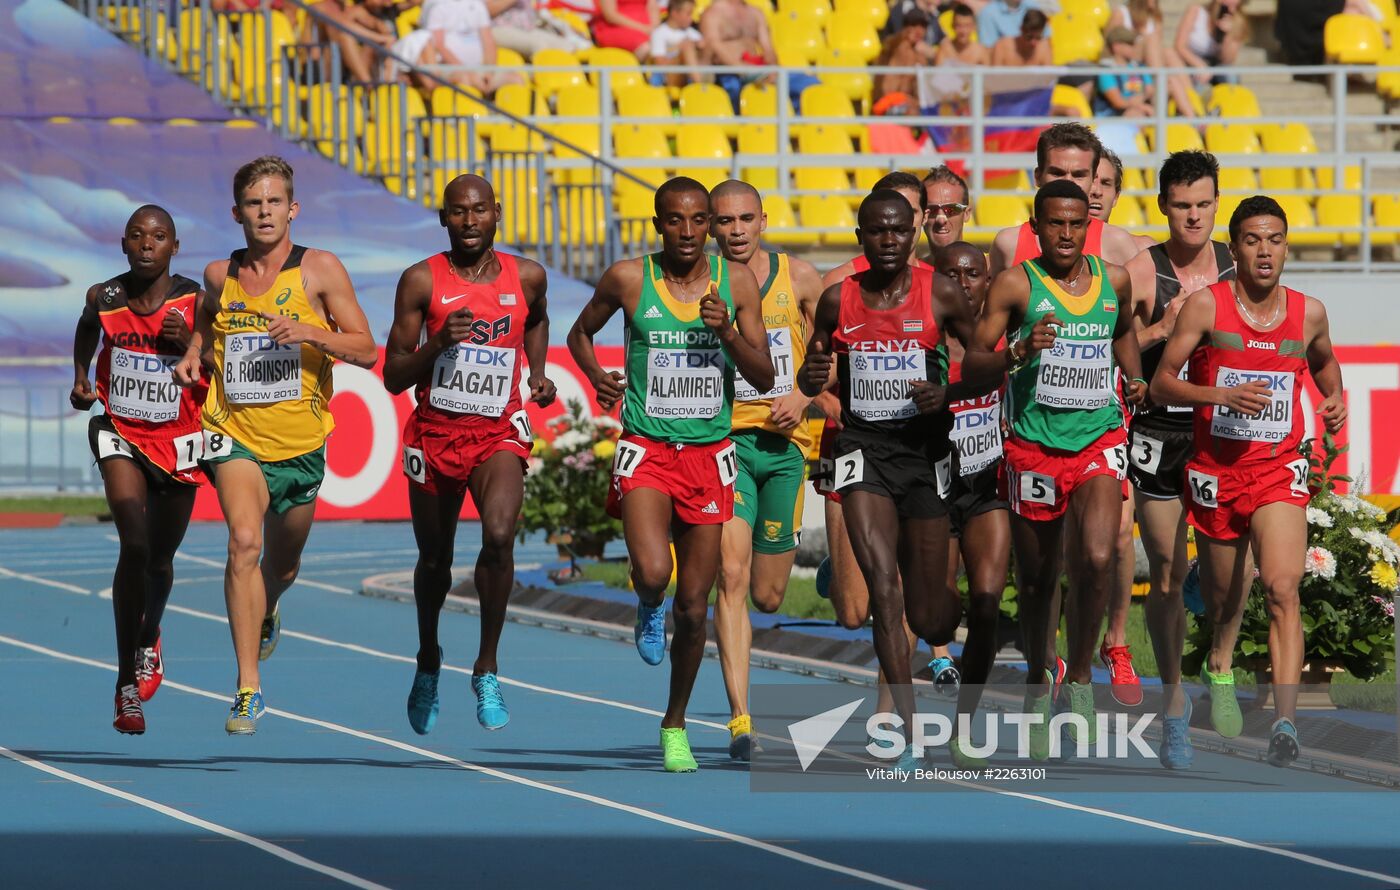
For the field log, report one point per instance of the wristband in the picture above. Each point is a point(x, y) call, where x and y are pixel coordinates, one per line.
point(1138, 380)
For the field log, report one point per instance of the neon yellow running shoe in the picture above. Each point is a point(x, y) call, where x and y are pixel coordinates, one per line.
point(1081, 702)
point(1039, 732)
point(1225, 716)
point(675, 751)
point(741, 738)
point(962, 759)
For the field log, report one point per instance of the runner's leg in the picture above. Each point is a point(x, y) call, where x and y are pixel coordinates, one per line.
point(1094, 516)
point(498, 488)
point(286, 535)
point(126, 489)
point(243, 498)
point(435, 530)
point(986, 549)
point(1120, 600)
point(1279, 532)
point(1163, 528)
point(933, 610)
point(168, 517)
point(1226, 578)
point(873, 530)
point(697, 564)
point(732, 627)
point(1038, 552)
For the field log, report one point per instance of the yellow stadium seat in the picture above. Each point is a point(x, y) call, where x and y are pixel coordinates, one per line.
point(827, 212)
point(1238, 179)
point(329, 117)
point(1232, 100)
point(250, 59)
point(1153, 215)
point(636, 206)
point(1388, 82)
point(407, 20)
point(857, 85)
point(781, 221)
point(550, 82)
point(614, 57)
point(1074, 40)
point(579, 101)
point(821, 100)
point(1013, 181)
point(694, 141)
point(390, 140)
point(1353, 40)
point(642, 141)
point(646, 101)
point(1301, 223)
point(1133, 180)
point(876, 12)
point(1341, 211)
point(1232, 139)
point(1096, 12)
point(1127, 213)
point(706, 100)
point(509, 58)
point(1198, 108)
point(853, 33)
point(1386, 214)
point(516, 99)
point(1286, 139)
point(757, 140)
point(795, 58)
point(1064, 96)
point(797, 37)
point(1180, 137)
point(1351, 178)
point(761, 100)
point(821, 139)
point(1001, 211)
point(813, 10)
point(586, 137)
point(576, 22)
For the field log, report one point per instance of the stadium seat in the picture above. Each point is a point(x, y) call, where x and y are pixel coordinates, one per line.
point(509, 58)
point(876, 12)
point(1351, 178)
point(614, 57)
point(1232, 100)
point(757, 140)
point(251, 60)
point(1286, 139)
point(391, 137)
point(406, 21)
point(828, 212)
point(781, 222)
point(1386, 213)
point(817, 11)
point(1353, 40)
point(821, 100)
point(1180, 137)
point(547, 83)
point(797, 37)
point(1232, 139)
point(646, 101)
point(707, 141)
point(578, 101)
point(1301, 223)
point(586, 137)
point(857, 85)
point(1225, 208)
point(1096, 12)
point(642, 141)
point(853, 33)
point(576, 209)
point(761, 100)
point(506, 135)
point(706, 100)
point(1238, 179)
point(1127, 213)
point(1388, 82)
point(1074, 40)
point(1133, 180)
point(1064, 96)
point(1341, 211)
point(1001, 211)
point(819, 140)
point(1153, 216)
point(1198, 108)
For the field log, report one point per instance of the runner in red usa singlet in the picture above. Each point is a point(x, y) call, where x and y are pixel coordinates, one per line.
point(466, 322)
point(147, 444)
point(1249, 343)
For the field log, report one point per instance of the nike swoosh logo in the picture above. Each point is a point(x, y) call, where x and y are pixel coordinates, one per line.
point(447, 302)
point(846, 329)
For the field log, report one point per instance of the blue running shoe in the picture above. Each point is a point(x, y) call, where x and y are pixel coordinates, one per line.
point(243, 716)
point(1191, 591)
point(491, 711)
point(946, 678)
point(907, 761)
point(1283, 745)
point(824, 578)
point(650, 632)
point(423, 699)
point(1176, 751)
point(271, 633)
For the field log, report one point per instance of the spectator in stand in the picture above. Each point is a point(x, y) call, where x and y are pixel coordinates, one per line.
point(902, 50)
point(455, 32)
point(933, 34)
point(626, 24)
point(736, 34)
point(677, 42)
point(1028, 49)
point(358, 27)
point(1210, 35)
point(1124, 91)
point(959, 48)
point(1144, 18)
point(1003, 18)
point(517, 25)
point(896, 138)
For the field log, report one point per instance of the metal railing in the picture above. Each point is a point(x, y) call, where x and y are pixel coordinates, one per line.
point(45, 442)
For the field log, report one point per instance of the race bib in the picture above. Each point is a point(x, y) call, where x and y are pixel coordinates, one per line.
point(1299, 483)
point(780, 349)
point(1076, 374)
point(257, 371)
point(521, 421)
point(1037, 488)
point(728, 461)
point(628, 457)
point(1146, 453)
point(470, 379)
point(976, 433)
point(414, 466)
point(217, 445)
point(1273, 424)
point(850, 468)
point(880, 383)
point(1117, 458)
point(685, 383)
point(1205, 489)
point(112, 445)
point(943, 475)
point(140, 386)
point(188, 450)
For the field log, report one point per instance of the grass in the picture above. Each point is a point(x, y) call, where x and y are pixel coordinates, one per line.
point(68, 505)
point(800, 601)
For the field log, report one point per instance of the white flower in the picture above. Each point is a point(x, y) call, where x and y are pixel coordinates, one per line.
point(1348, 504)
point(1319, 518)
point(571, 441)
point(606, 422)
point(1321, 563)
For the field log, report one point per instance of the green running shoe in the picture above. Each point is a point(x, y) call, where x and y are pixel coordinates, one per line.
point(962, 759)
point(1039, 732)
point(1225, 716)
point(1081, 702)
point(675, 751)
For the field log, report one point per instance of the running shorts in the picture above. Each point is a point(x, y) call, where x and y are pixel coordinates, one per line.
point(982, 492)
point(1221, 500)
point(768, 490)
point(698, 478)
point(439, 454)
point(290, 483)
point(166, 462)
point(1157, 459)
point(1041, 480)
point(901, 470)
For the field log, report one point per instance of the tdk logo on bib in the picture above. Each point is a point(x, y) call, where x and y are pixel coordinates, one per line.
point(1274, 382)
point(1080, 351)
point(143, 363)
point(706, 359)
point(480, 357)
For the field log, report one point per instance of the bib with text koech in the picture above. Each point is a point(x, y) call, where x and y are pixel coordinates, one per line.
point(1273, 424)
point(685, 383)
point(140, 386)
point(257, 371)
point(471, 379)
point(880, 383)
point(1076, 374)
point(976, 432)
point(780, 349)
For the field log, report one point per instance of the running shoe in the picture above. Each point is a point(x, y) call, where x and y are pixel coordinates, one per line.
point(1225, 716)
point(882, 744)
point(675, 751)
point(129, 719)
point(1056, 677)
point(650, 632)
point(1176, 751)
point(423, 699)
point(1039, 732)
point(1283, 744)
point(962, 759)
point(1123, 681)
point(243, 716)
point(741, 737)
point(271, 632)
point(946, 678)
point(1081, 702)
point(1191, 591)
point(491, 710)
point(824, 578)
point(150, 669)
point(907, 761)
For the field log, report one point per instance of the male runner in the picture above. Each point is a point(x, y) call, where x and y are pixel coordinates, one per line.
point(464, 320)
point(908, 185)
point(277, 315)
point(1160, 438)
point(771, 438)
point(891, 457)
point(1249, 342)
point(691, 320)
point(1066, 315)
point(946, 203)
point(1106, 188)
point(146, 443)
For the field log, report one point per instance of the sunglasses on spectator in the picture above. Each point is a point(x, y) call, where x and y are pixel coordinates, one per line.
point(946, 209)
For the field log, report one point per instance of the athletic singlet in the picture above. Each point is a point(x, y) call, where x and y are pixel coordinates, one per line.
point(133, 374)
point(880, 352)
point(976, 432)
point(1168, 288)
point(1064, 397)
point(680, 382)
point(862, 264)
point(273, 400)
point(481, 374)
point(1238, 353)
point(1028, 245)
point(787, 344)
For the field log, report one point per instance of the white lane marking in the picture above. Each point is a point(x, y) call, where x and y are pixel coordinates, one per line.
point(200, 560)
point(180, 816)
point(35, 579)
point(696, 827)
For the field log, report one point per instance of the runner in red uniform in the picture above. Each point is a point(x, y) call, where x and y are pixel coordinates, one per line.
point(465, 322)
point(147, 443)
point(1249, 343)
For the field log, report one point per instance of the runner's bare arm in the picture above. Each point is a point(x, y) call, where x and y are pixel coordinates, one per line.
point(1144, 275)
point(1194, 325)
point(1118, 246)
point(1125, 341)
point(1003, 250)
point(1005, 307)
point(350, 340)
point(1322, 363)
point(620, 279)
point(816, 374)
point(85, 339)
point(790, 410)
point(406, 362)
point(954, 316)
point(839, 274)
point(536, 283)
point(200, 351)
point(746, 338)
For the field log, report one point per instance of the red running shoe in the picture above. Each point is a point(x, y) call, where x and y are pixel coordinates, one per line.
point(129, 720)
point(1123, 680)
point(150, 670)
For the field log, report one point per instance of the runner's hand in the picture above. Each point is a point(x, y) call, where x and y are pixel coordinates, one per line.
point(1334, 413)
point(187, 370)
point(541, 390)
point(713, 312)
point(1042, 335)
point(610, 387)
point(1137, 394)
point(1248, 398)
point(456, 328)
point(83, 396)
point(174, 328)
point(817, 369)
point(929, 398)
point(286, 332)
point(1167, 324)
point(790, 410)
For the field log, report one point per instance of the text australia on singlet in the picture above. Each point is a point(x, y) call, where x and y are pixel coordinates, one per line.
point(685, 374)
point(1077, 372)
point(780, 348)
point(140, 386)
point(258, 370)
point(881, 373)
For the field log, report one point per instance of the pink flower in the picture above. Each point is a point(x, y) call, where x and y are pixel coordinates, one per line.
point(1319, 562)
